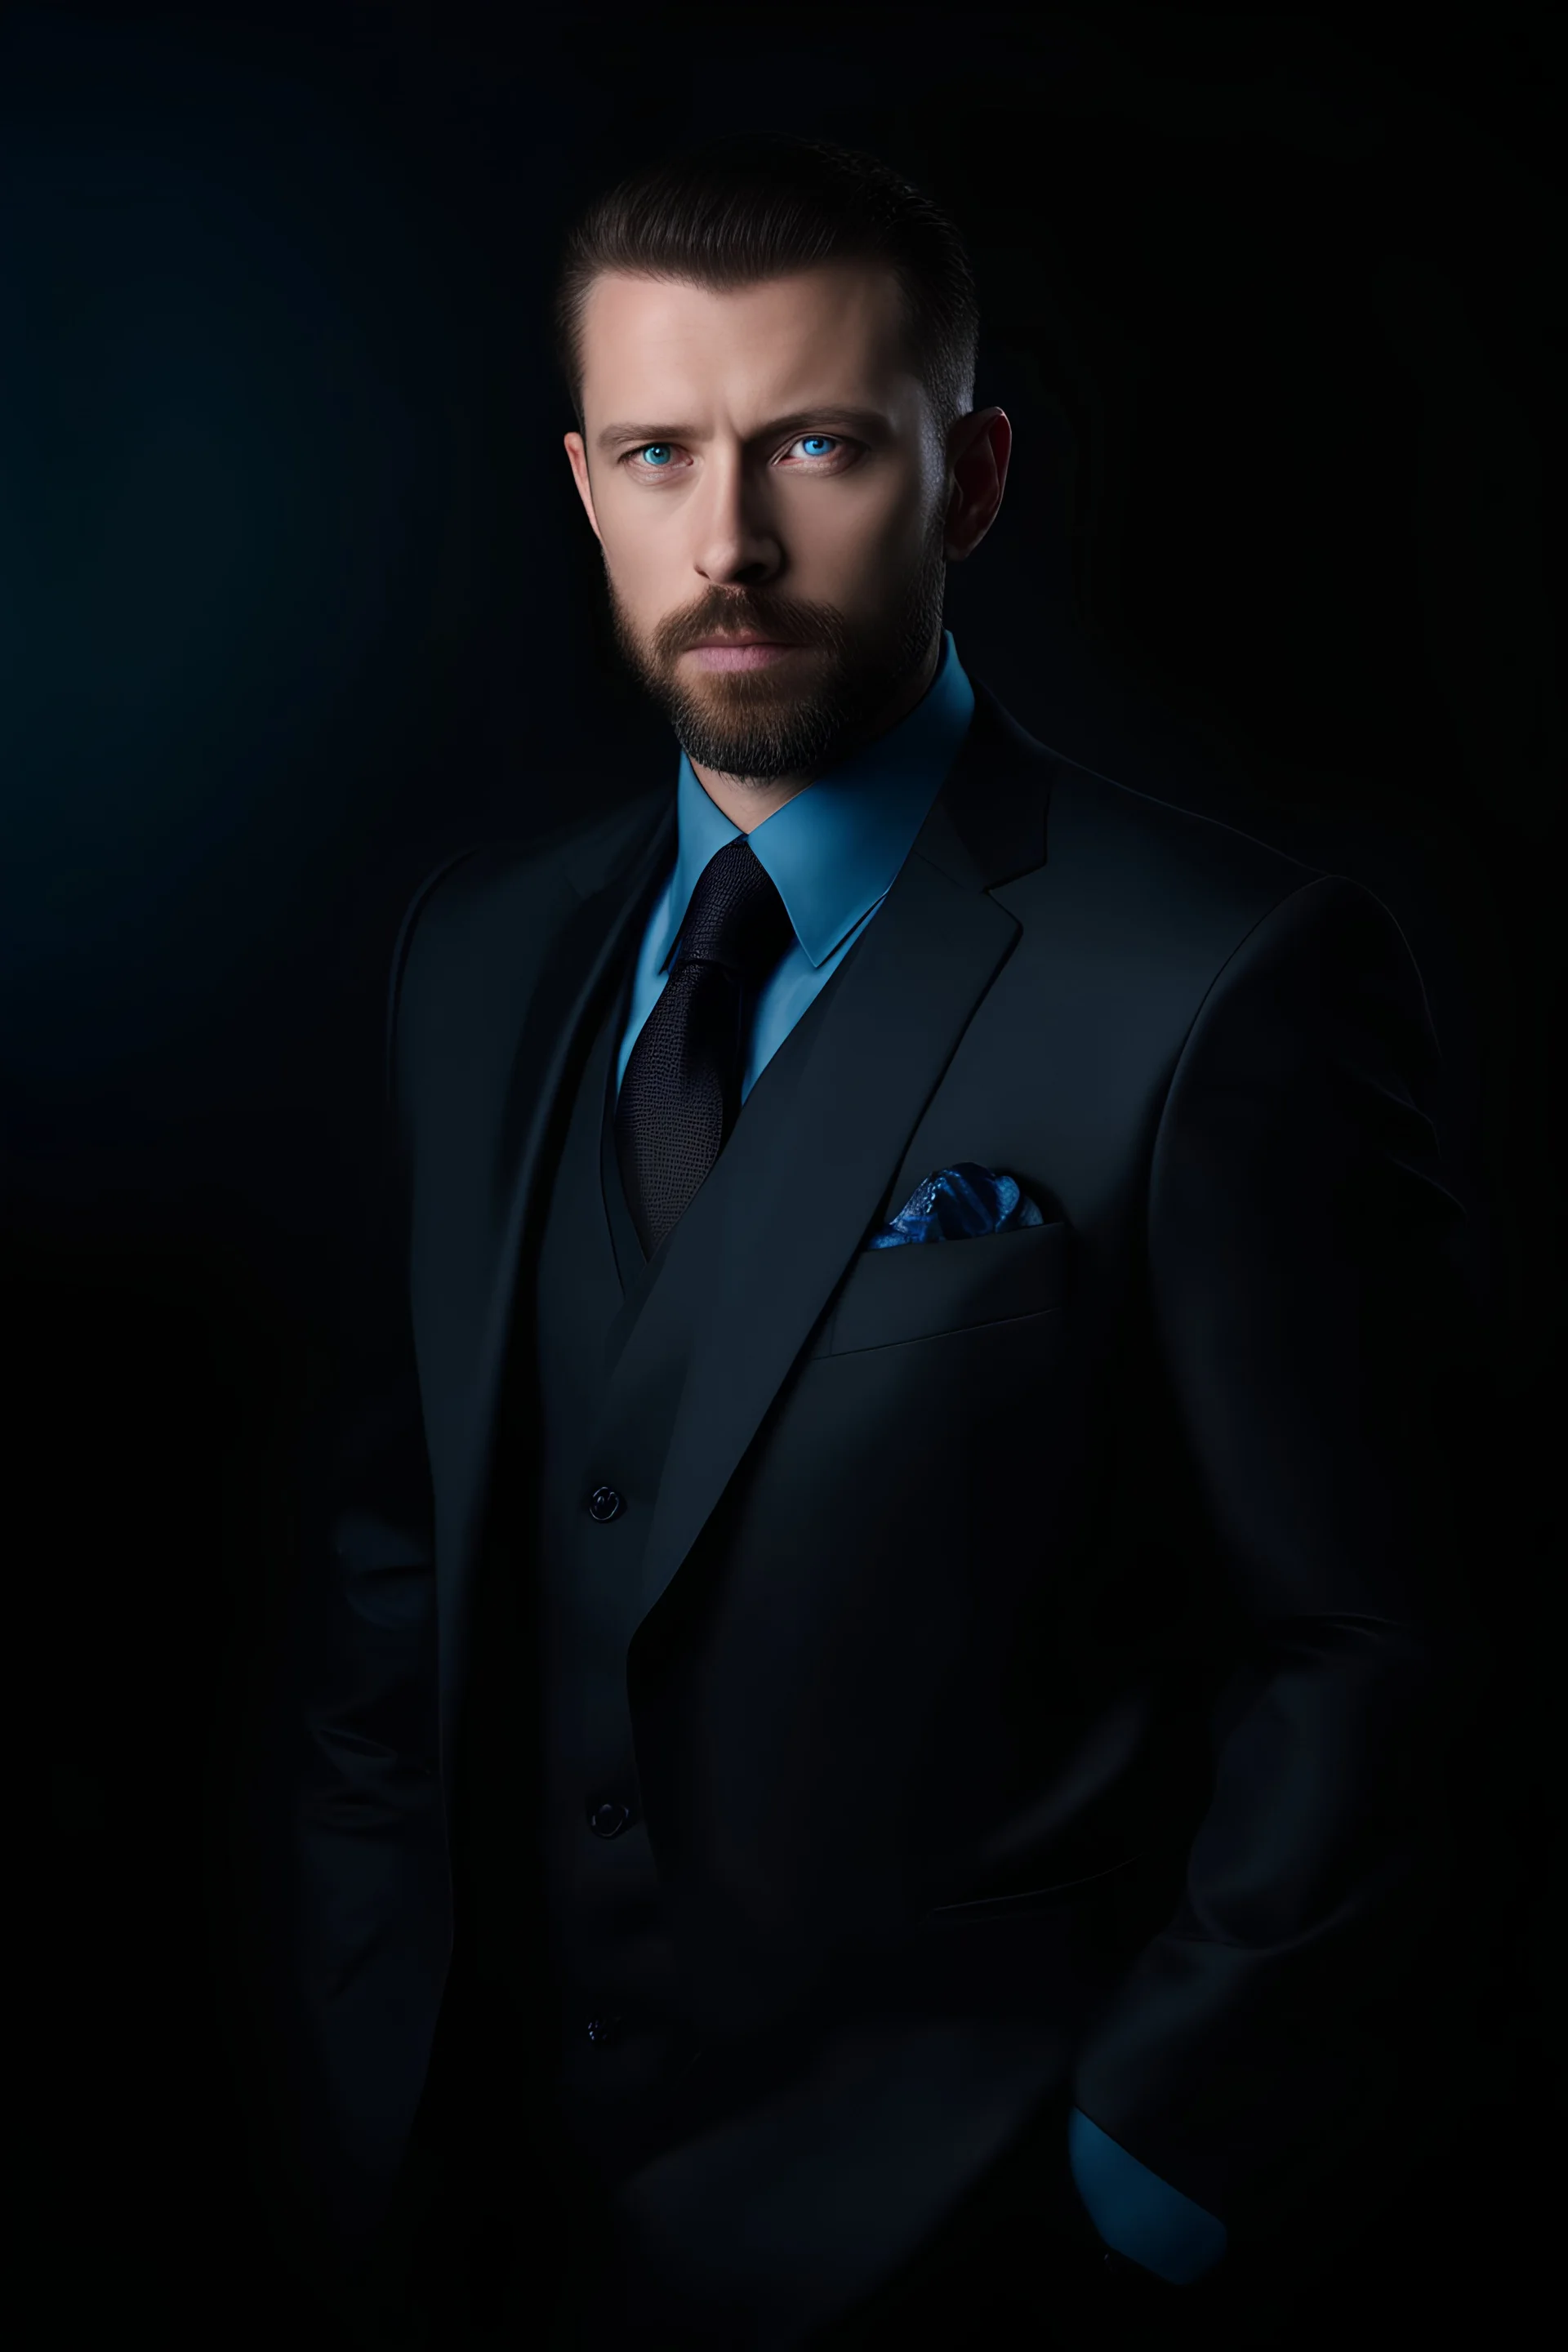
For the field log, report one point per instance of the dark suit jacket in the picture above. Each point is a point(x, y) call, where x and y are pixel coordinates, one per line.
point(1066, 1625)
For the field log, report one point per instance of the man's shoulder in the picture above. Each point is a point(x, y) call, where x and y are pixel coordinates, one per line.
point(486, 916)
point(481, 903)
point(1161, 863)
point(506, 882)
point(579, 853)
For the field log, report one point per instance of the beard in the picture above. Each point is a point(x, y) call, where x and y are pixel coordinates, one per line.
point(755, 726)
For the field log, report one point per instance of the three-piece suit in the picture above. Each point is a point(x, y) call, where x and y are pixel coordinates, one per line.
point(834, 1707)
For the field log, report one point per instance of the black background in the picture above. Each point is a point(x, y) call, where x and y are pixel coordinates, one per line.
point(296, 597)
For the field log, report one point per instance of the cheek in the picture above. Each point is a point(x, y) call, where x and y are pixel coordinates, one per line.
point(636, 575)
point(865, 542)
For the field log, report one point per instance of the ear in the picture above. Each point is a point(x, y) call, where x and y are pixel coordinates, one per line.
point(578, 456)
point(978, 451)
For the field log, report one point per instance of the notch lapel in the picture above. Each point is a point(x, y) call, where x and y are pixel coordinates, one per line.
point(783, 1226)
point(738, 1284)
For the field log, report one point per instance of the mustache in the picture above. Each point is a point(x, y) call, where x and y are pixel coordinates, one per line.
point(791, 624)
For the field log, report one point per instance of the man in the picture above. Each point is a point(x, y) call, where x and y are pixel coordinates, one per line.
point(907, 1575)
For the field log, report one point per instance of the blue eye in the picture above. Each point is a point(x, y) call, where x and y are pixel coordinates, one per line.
point(655, 457)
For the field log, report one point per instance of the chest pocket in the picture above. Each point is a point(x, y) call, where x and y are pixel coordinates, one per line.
point(919, 1289)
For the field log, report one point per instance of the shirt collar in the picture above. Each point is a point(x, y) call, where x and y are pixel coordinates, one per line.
point(833, 849)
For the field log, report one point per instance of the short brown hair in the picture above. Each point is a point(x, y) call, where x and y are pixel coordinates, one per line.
point(753, 205)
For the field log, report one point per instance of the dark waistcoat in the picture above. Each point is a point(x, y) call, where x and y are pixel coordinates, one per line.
point(558, 1897)
point(614, 2016)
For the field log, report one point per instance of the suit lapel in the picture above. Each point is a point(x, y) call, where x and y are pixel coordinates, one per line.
point(736, 1288)
point(719, 1315)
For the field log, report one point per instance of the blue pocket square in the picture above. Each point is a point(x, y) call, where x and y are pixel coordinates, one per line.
point(957, 1204)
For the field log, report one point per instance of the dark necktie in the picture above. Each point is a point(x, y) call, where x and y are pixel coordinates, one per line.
point(680, 1094)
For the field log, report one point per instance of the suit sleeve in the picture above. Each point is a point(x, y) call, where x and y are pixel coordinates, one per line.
point(370, 1908)
point(1138, 2213)
point(1312, 1333)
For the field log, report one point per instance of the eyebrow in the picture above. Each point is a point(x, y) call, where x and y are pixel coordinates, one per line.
point(863, 420)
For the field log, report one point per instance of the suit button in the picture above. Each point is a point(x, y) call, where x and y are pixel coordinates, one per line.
point(604, 2030)
point(604, 1502)
point(609, 1818)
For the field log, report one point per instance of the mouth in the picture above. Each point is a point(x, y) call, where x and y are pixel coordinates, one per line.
point(742, 652)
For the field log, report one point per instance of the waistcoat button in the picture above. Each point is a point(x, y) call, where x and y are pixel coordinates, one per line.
point(609, 1818)
point(604, 1502)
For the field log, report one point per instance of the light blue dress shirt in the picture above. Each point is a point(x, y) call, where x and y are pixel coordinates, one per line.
point(833, 851)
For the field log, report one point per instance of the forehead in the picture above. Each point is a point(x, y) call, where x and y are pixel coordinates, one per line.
point(817, 334)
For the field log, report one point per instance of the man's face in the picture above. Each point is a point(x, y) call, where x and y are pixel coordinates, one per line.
point(763, 462)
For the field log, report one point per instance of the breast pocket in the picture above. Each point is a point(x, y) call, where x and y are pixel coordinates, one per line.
point(919, 1290)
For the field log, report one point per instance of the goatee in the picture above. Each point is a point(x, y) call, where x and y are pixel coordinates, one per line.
point(754, 726)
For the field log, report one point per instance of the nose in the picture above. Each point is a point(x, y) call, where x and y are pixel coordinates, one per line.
point(737, 544)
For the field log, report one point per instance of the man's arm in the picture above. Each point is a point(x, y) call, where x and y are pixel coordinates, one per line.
point(371, 1900)
point(1303, 1307)
point(371, 1909)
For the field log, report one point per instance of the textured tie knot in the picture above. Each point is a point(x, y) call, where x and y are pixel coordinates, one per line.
point(736, 917)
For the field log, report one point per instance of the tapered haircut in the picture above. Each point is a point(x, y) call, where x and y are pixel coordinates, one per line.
point(741, 210)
